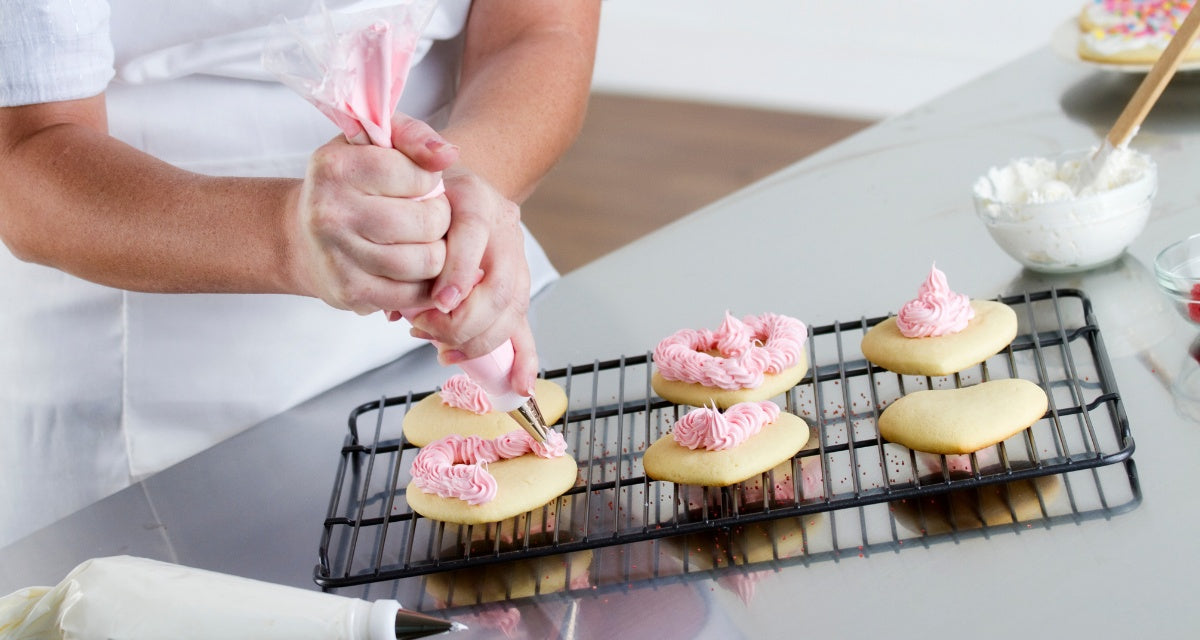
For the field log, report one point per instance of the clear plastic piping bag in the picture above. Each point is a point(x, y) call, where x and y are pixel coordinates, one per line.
point(352, 66)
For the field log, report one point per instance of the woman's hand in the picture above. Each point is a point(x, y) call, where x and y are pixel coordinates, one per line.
point(473, 316)
point(364, 241)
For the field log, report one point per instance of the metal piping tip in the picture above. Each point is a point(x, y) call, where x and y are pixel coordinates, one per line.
point(411, 625)
point(529, 416)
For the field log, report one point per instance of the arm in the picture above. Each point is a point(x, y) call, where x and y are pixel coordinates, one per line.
point(74, 198)
point(522, 96)
point(526, 75)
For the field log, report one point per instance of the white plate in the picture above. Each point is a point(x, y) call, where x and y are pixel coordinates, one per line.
point(1065, 42)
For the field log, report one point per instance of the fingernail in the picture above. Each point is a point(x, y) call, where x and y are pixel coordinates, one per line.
point(447, 299)
point(529, 389)
point(420, 335)
point(437, 145)
point(393, 316)
point(454, 356)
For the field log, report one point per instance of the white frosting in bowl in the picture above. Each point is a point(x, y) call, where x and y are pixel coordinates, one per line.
point(1034, 214)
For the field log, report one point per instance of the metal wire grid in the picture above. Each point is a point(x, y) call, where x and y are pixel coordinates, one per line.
point(743, 554)
point(370, 535)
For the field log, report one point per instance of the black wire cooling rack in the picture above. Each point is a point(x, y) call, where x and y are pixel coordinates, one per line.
point(370, 535)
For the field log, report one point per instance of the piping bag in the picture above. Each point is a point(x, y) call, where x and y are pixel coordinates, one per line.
point(128, 598)
point(353, 67)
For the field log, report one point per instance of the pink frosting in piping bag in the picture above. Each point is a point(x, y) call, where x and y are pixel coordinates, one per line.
point(936, 311)
point(356, 76)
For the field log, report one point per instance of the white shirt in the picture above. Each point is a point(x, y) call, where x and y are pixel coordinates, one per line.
point(101, 387)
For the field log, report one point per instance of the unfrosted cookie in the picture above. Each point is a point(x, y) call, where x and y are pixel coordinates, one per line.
point(774, 442)
point(956, 421)
point(747, 360)
point(991, 330)
point(524, 484)
point(431, 418)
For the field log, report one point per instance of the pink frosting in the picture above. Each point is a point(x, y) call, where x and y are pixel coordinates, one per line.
point(365, 78)
point(936, 311)
point(461, 392)
point(708, 428)
point(456, 466)
point(747, 349)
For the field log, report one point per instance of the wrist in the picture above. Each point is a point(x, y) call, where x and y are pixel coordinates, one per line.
point(293, 274)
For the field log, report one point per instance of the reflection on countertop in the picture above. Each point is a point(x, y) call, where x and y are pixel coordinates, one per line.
point(1137, 321)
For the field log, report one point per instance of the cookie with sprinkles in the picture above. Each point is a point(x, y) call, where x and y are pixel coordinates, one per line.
point(1131, 32)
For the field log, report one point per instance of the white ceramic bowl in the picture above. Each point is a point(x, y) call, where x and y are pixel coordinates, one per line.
point(1072, 234)
point(1177, 269)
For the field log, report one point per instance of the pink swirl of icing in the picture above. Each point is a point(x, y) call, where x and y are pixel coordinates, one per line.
point(461, 392)
point(454, 467)
point(936, 311)
point(746, 350)
point(710, 429)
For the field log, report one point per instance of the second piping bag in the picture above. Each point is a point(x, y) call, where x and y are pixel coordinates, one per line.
point(353, 67)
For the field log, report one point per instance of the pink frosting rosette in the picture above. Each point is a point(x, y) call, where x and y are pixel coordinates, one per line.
point(456, 466)
point(461, 392)
point(745, 349)
point(708, 428)
point(936, 311)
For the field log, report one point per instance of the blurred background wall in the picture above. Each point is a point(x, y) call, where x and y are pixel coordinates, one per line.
point(868, 59)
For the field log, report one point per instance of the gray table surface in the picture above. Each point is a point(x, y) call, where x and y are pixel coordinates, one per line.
point(846, 233)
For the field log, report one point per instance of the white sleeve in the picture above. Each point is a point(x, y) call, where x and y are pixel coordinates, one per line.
point(53, 50)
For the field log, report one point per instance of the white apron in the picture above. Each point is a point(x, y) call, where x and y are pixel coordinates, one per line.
point(101, 387)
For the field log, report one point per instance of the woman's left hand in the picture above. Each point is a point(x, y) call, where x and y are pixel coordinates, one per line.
point(474, 315)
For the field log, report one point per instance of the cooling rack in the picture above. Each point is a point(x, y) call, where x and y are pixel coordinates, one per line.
point(846, 470)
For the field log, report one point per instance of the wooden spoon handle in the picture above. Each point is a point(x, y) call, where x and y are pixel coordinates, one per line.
point(1156, 80)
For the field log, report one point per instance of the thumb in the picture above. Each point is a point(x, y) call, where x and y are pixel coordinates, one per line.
point(422, 144)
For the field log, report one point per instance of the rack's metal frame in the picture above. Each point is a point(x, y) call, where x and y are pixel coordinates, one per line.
point(370, 535)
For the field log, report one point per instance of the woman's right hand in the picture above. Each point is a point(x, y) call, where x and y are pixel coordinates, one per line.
point(363, 242)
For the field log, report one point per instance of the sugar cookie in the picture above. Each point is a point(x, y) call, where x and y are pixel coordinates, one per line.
point(461, 408)
point(451, 482)
point(748, 360)
point(954, 421)
point(940, 332)
point(1131, 31)
point(748, 439)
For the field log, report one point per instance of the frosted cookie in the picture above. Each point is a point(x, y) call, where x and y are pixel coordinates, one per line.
point(714, 449)
point(940, 332)
point(748, 360)
point(1131, 32)
point(462, 408)
point(956, 421)
point(470, 480)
